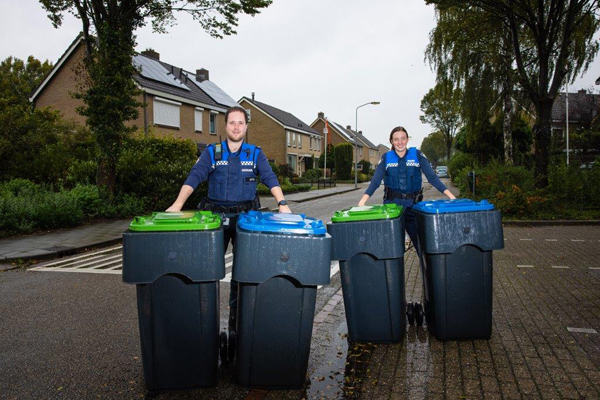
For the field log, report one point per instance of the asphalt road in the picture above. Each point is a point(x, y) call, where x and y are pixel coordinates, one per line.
point(75, 335)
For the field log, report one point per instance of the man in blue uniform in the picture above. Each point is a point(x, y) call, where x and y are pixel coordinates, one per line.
point(400, 169)
point(231, 168)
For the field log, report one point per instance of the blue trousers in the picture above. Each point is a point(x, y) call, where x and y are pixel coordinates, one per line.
point(410, 221)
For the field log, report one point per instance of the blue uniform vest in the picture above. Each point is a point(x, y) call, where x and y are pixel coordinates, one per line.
point(234, 176)
point(403, 174)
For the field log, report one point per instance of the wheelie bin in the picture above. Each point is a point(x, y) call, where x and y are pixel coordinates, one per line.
point(369, 244)
point(176, 261)
point(457, 238)
point(279, 261)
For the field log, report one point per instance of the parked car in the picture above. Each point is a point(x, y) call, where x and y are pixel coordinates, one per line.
point(442, 171)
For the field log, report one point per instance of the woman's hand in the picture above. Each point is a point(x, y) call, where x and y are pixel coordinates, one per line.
point(363, 200)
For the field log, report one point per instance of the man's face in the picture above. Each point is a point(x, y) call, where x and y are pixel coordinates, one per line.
point(236, 126)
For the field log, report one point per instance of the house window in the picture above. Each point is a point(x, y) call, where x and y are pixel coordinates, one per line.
point(293, 139)
point(292, 161)
point(198, 119)
point(213, 123)
point(318, 144)
point(249, 114)
point(299, 141)
point(289, 139)
point(166, 112)
point(310, 142)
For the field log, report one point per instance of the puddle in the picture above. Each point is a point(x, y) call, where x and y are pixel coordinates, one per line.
point(342, 375)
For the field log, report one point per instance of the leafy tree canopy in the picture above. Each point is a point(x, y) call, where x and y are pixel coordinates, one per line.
point(108, 90)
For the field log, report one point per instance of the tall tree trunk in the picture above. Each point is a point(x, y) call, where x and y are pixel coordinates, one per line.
point(507, 95)
point(541, 135)
point(507, 126)
point(448, 146)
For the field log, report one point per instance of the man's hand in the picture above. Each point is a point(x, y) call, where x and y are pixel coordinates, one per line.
point(285, 209)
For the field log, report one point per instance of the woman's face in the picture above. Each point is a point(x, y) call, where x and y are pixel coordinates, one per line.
point(399, 141)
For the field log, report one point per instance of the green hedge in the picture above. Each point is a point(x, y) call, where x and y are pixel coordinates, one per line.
point(343, 160)
point(572, 193)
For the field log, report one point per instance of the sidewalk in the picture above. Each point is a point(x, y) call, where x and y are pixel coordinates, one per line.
point(74, 240)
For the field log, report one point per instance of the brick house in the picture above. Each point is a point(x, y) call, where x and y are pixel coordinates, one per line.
point(338, 134)
point(284, 138)
point(178, 102)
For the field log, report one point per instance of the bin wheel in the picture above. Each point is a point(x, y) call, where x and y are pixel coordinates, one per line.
point(223, 347)
point(410, 313)
point(231, 350)
point(418, 313)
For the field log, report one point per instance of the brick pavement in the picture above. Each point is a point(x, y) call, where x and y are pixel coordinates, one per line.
point(531, 354)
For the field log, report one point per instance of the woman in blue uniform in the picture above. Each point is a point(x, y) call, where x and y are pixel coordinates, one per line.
point(400, 169)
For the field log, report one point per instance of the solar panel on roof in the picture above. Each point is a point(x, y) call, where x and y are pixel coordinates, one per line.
point(154, 70)
point(215, 92)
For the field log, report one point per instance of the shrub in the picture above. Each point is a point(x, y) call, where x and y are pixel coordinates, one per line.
point(25, 207)
point(343, 160)
point(89, 200)
point(313, 174)
point(153, 169)
point(458, 163)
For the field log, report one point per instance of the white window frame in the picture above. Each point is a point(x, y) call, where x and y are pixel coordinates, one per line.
point(198, 119)
point(299, 141)
point(289, 138)
point(212, 116)
point(158, 117)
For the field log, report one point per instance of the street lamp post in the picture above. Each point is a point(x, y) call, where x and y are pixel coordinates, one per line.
point(356, 140)
point(325, 131)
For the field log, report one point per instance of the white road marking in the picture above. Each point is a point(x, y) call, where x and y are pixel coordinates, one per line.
point(526, 240)
point(577, 240)
point(551, 240)
point(595, 268)
point(524, 266)
point(87, 255)
point(581, 330)
point(560, 267)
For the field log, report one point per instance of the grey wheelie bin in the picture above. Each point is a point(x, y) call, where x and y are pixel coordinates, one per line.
point(457, 238)
point(279, 261)
point(176, 261)
point(369, 243)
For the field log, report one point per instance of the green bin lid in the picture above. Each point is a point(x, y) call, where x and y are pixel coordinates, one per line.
point(176, 221)
point(368, 213)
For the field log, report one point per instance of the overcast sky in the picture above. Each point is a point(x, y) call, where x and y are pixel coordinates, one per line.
point(302, 56)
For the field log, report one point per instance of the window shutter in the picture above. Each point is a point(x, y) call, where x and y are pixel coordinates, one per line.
point(167, 113)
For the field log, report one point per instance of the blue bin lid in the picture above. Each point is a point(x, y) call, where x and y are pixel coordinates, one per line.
point(452, 206)
point(298, 224)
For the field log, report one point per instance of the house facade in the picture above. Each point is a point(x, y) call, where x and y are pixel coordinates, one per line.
point(365, 149)
point(178, 102)
point(284, 138)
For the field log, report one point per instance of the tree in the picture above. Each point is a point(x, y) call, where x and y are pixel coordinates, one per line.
point(472, 48)
point(18, 79)
point(434, 146)
point(441, 109)
point(108, 90)
point(343, 160)
point(551, 41)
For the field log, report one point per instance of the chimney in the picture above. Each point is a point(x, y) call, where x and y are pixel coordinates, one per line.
point(202, 75)
point(151, 54)
point(252, 96)
point(360, 132)
point(348, 127)
point(321, 115)
point(582, 91)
